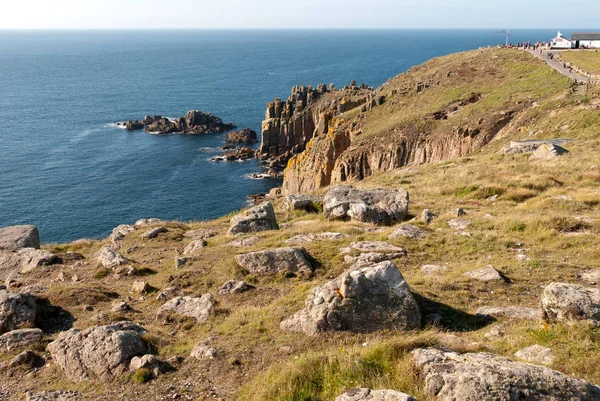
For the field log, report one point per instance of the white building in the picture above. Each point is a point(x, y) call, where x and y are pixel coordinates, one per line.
point(586, 40)
point(560, 42)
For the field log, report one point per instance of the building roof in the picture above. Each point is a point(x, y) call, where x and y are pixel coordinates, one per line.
point(586, 36)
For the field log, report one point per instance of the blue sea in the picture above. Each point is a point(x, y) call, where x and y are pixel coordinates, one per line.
point(67, 168)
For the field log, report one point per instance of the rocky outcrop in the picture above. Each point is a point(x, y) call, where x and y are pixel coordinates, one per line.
point(378, 206)
point(487, 273)
point(32, 258)
point(131, 125)
point(245, 136)
point(110, 258)
point(273, 261)
point(366, 394)
point(407, 231)
point(17, 311)
point(308, 203)
point(233, 287)
point(570, 302)
point(101, 352)
point(203, 351)
point(153, 233)
point(52, 396)
point(363, 299)
point(20, 338)
point(235, 155)
point(17, 237)
point(548, 152)
point(536, 354)
point(194, 246)
point(120, 232)
point(485, 377)
point(197, 308)
point(255, 219)
point(194, 122)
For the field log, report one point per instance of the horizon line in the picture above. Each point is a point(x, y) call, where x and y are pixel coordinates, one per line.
point(291, 29)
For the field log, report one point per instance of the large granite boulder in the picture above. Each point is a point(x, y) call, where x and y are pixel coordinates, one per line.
point(308, 203)
point(20, 338)
point(273, 261)
point(101, 352)
point(110, 258)
point(366, 394)
point(17, 311)
point(378, 206)
point(548, 152)
point(255, 219)
point(450, 376)
point(569, 302)
point(120, 232)
point(32, 258)
point(245, 136)
point(18, 237)
point(362, 299)
point(197, 308)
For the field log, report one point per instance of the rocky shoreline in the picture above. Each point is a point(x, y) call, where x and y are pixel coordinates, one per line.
point(194, 122)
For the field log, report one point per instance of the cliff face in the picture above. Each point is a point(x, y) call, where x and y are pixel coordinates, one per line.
point(446, 108)
point(289, 125)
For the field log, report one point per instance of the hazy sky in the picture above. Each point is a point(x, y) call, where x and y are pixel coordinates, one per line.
point(103, 14)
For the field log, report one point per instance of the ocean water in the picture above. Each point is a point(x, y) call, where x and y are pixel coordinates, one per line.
point(65, 166)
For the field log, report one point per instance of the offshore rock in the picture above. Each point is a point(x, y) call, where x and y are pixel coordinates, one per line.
point(378, 206)
point(17, 237)
point(363, 299)
point(235, 155)
point(131, 125)
point(255, 219)
point(101, 352)
point(245, 136)
point(194, 122)
point(273, 261)
point(485, 377)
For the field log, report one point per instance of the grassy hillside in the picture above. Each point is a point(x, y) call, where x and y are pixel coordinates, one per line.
point(551, 208)
point(586, 60)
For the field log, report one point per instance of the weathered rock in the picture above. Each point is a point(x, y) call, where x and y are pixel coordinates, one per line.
point(370, 258)
point(147, 222)
point(27, 358)
point(432, 269)
point(120, 232)
point(10, 265)
point(244, 136)
point(197, 308)
point(273, 261)
point(181, 261)
point(151, 234)
point(203, 233)
point(499, 330)
point(487, 273)
point(255, 219)
point(242, 242)
point(407, 231)
point(235, 154)
point(194, 122)
point(364, 299)
point(233, 287)
point(308, 203)
point(536, 354)
point(17, 311)
point(120, 306)
point(167, 293)
point(20, 338)
point(53, 396)
point(147, 361)
point(308, 238)
point(194, 246)
point(366, 394)
point(32, 258)
point(510, 312)
point(203, 351)
point(569, 302)
point(372, 246)
point(109, 257)
point(591, 277)
point(427, 216)
point(548, 152)
point(486, 377)
point(459, 224)
point(140, 287)
point(18, 237)
point(101, 352)
point(378, 206)
point(131, 125)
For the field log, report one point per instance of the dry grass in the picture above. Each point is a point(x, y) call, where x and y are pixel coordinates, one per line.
point(588, 60)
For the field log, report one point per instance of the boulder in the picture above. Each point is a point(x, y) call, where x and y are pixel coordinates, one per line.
point(110, 258)
point(370, 258)
point(202, 233)
point(140, 287)
point(273, 261)
point(378, 206)
point(366, 394)
point(29, 359)
point(151, 234)
point(18, 237)
point(245, 136)
point(548, 152)
point(233, 287)
point(131, 125)
point(10, 265)
point(591, 277)
point(308, 238)
point(147, 361)
point(120, 306)
point(427, 216)
point(486, 377)
point(17, 311)
point(536, 354)
point(101, 352)
point(194, 246)
point(372, 246)
point(147, 222)
point(243, 242)
point(363, 299)
point(20, 338)
point(60, 395)
point(432, 269)
point(487, 273)
point(203, 351)
point(235, 155)
point(510, 312)
point(197, 308)
point(570, 302)
point(32, 258)
point(308, 203)
point(407, 231)
point(255, 219)
point(120, 232)
point(459, 224)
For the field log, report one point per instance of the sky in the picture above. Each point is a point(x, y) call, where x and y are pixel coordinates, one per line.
point(314, 14)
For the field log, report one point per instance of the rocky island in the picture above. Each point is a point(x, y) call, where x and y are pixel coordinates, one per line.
point(194, 122)
point(434, 239)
